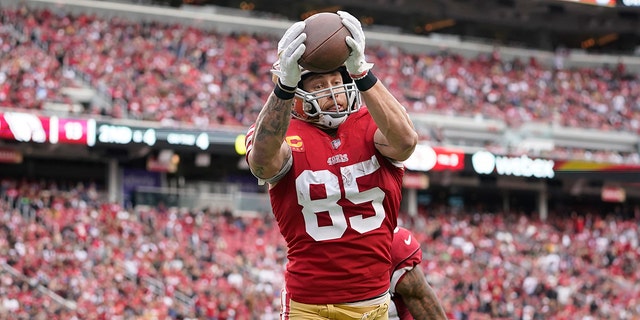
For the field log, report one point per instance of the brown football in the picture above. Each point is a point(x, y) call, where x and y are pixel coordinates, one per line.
point(326, 48)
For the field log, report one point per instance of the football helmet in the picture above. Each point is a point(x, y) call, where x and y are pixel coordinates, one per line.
point(307, 108)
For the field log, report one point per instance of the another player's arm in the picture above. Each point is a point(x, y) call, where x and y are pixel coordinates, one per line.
point(419, 297)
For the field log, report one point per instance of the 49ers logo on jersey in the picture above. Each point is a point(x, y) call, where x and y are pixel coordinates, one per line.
point(295, 143)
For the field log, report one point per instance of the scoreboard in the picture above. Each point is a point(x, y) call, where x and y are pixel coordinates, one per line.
point(28, 127)
point(24, 127)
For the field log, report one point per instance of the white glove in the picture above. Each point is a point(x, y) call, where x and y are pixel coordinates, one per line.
point(290, 49)
point(356, 64)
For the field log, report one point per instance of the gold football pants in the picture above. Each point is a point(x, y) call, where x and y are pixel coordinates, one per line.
point(302, 311)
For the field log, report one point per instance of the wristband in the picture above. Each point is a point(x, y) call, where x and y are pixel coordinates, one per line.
point(359, 76)
point(365, 83)
point(284, 92)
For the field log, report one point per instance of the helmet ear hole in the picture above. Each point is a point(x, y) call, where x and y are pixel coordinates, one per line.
point(307, 107)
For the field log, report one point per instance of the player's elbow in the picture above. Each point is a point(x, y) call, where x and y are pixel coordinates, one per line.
point(267, 165)
point(262, 169)
point(397, 146)
point(406, 145)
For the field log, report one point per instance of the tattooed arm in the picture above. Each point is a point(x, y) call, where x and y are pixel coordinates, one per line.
point(419, 297)
point(269, 152)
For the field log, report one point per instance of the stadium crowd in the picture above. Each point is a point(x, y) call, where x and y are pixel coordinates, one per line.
point(180, 74)
point(65, 253)
point(96, 260)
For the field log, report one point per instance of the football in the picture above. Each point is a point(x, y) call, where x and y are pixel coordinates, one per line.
point(326, 48)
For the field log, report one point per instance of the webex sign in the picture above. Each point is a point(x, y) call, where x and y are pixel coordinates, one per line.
point(485, 162)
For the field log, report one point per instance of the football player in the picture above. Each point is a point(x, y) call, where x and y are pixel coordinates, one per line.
point(333, 164)
point(411, 295)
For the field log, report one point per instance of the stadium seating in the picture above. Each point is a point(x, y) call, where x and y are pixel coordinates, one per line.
point(67, 253)
point(182, 75)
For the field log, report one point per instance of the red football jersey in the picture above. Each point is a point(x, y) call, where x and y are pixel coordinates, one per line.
point(337, 209)
point(405, 254)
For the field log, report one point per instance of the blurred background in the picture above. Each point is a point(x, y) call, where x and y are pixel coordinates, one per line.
point(124, 193)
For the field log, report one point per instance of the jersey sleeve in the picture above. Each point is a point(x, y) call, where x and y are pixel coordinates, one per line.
point(405, 255)
point(249, 146)
point(248, 141)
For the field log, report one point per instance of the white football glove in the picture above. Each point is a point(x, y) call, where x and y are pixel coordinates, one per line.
point(356, 64)
point(290, 49)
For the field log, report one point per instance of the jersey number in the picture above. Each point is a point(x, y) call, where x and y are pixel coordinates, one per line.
point(310, 207)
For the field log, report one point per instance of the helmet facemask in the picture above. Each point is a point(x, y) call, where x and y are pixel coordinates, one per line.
point(307, 107)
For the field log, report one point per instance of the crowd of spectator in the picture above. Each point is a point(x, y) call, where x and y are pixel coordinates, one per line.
point(110, 263)
point(179, 74)
point(67, 254)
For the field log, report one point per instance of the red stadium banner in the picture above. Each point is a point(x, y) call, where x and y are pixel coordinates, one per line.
point(24, 127)
point(601, 3)
point(427, 158)
point(28, 127)
point(72, 131)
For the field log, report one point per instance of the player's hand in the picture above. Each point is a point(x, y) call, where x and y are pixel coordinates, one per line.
point(356, 64)
point(290, 49)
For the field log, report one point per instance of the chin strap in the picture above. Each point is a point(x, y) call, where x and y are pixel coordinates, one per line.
point(330, 122)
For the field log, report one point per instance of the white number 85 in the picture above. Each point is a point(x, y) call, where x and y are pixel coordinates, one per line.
point(310, 207)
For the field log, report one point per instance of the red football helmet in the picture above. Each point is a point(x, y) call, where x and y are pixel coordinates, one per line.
point(306, 105)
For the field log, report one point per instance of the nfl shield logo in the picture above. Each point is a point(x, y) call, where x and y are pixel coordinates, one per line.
point(335, 143)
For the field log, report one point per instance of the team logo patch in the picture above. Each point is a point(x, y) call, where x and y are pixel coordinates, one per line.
point(336, 143)
point(295, 143)
point(338, 158)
